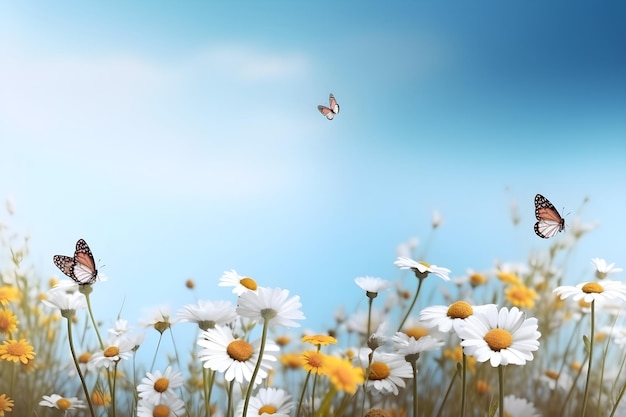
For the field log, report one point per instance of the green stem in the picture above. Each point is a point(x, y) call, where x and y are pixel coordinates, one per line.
point(257, 367)
point(306, 381)
point(415, 398)
point(417, 293)
point(86, 290)
point(591, 336)
point(80, 374)
point(463, 384)
point(501, 389)
point(445, 397)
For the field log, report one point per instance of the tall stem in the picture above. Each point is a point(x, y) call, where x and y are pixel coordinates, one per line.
point(591, 336)
point(80, 374)
point(417, 293)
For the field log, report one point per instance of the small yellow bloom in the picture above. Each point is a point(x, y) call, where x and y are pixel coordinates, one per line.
point(343, 375)
point(291, 360)
point(282, 340)
point(456, 354)
point(521, 296)
point(320, 340)
point(13, 350)
point(314, 361)
point(8, 322)
point(476, 279)
point(482, 387)
point(8, 293)
point(509, 278)
point(6, 404)
point(100, 399)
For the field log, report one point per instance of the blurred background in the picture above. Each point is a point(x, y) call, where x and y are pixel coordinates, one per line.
point(182, 140)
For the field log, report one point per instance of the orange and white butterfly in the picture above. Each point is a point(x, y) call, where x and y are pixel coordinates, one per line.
point(549, 221)
point(81, 268)
point(331, 111)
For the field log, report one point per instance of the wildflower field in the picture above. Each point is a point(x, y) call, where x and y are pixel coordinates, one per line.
point(515, 341)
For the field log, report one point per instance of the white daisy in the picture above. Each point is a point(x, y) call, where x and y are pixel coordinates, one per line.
point(208, 314)
point(406, 345)
point(121, 327)
point(115, 350)
point(235, 358)
point(591, 291)
point(422, 269)
point(502, 337)
point(64, 404)
point(66, 302)
point(172, 407)
point(518, 407)
point(271, 304)
point(357, 322)
point(159, 387)
point(268, 401)
point(387, 371)
point(602, 269)
point(372, 285)
point(160, 318)
point(239, 283)
point(444, 318)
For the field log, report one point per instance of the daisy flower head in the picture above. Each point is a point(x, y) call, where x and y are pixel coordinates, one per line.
point(444, 318)
point(406, 345)
point(518, 407)
point(379, 337)
point(343, 375)
point(8, 294)
point(319, 340)
point(160, 319)
point(239, 283)
point(159, 387)
point(358, 322)
point(121, 327)
point(16, 351)
point(6, 404)
point(592, 291)
point(503, 337)
point(66, 302)
point(272, 305)
point(387, 371)
point(172, 407)
point(272, 401)
point(208, 314)
point(235, 358)
point(62, 403)
point(603, 269)
point(422, 269)
point(115, 350)
point(371, 285)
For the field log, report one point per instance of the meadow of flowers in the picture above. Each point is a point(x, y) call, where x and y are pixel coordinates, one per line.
point(514, 341)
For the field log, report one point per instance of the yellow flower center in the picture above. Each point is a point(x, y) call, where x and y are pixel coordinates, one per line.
point(592, 288)
point(426, 264)
point(161, 384)
point(249, 283)
point(507, 414)
point(498, 339)
point(477, 279)
point(416, 332)
point(161, 410)
point(63, 404)
point(379, 371)
point(551, 374)
point(111, 351)
point(482, 387)
point(267, 409)
point(84, 357)
point(583, 304)
point(239, 350)
point(460, 310)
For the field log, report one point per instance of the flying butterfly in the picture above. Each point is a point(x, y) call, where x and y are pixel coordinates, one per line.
point(549, 221)
point(332, 110)
point(81, 268)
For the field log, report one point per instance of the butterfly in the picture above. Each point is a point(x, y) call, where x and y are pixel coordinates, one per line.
point(549, 221)
point(81, 268)
point(331, 111)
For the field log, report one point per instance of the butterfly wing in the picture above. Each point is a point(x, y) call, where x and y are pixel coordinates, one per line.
point(85, 269)
point(549, 221)
point(333, 104)
point(81, 268)
point(65, 264)
point(332, 110)
point(330, 115)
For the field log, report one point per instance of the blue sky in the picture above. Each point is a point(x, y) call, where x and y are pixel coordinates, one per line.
point(182, 140)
